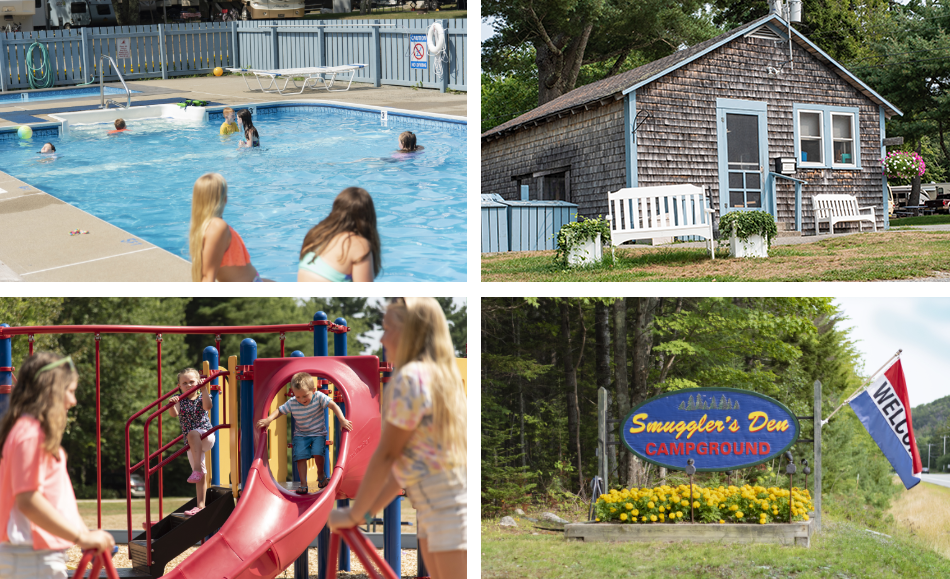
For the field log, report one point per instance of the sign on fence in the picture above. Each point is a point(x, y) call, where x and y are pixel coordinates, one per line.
point(123, 48)
point(719, 428)
point(417, 51)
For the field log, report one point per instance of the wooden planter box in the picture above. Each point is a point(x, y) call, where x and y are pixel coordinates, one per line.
point(797, 533)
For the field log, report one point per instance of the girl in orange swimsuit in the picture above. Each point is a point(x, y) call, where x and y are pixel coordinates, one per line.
point(217, 251)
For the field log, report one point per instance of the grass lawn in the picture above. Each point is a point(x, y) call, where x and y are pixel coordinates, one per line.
point(920, 220)
point(891, 255)
point(857, 541)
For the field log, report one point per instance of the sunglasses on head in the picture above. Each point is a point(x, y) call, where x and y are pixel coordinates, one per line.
point(56, 364)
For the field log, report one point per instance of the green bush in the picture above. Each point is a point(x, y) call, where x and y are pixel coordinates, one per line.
point(575, 233)
point(746, 223)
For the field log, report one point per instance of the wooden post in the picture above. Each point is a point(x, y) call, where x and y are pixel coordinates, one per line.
point(816, 500)
point(235, 61)
point(377, 69)
point(446, 68)
point(275, 60)
point(3, 71)
point(161, 50)
point(321, 46)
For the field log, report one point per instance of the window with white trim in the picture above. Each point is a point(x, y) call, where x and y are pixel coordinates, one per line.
point(810, 141)
point(842, 139)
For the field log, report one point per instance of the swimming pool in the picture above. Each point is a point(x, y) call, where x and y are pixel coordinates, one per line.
point(142, 181)
point(50, 95)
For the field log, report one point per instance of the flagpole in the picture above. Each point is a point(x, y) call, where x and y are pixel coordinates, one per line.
point(862, 388)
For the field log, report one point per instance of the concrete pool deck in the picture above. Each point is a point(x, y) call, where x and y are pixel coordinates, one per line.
point(36, 243)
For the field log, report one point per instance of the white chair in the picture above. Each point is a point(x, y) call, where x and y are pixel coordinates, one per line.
point(832, 208)
point(664, 211)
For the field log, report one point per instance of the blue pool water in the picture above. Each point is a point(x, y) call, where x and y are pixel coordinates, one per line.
point(51, 95)
point(142, 182)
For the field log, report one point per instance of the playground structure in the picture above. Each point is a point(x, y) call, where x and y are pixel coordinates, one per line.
point(271, 526)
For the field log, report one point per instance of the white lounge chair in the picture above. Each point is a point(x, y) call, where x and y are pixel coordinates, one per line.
point(324, 74)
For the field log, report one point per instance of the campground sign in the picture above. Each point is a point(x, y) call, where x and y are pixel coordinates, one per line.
point(719, 428)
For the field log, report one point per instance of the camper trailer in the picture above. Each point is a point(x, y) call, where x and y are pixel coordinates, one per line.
point(75, 13)
point(272, 9)
point(17, 15)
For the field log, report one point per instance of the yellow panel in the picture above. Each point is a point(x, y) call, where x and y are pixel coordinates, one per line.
point(463, 370)
point(224, 441)
point(273, 442)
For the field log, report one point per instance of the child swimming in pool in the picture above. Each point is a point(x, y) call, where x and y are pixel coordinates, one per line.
point(407, 143)
point(228, 126)
point(251, 138)
point(217, 251)
point(119, 127)
point(48, 153)
point(344, 246)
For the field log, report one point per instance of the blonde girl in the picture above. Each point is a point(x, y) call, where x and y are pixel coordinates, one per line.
point(422, 444)
point(192, 413)
point(39, 518)
point(344, 246)
point(217, 251)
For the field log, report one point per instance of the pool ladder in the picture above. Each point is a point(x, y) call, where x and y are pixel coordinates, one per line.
point(103, 103)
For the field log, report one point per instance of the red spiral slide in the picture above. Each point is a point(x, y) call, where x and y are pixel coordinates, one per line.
point(271, 527)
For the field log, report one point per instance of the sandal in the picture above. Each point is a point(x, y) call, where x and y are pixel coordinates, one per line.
point(323, 482)
point(304, 490)
point(196, 476)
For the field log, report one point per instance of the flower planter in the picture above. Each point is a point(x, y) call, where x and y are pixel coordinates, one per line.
point(754, 246)
point(589, 252)
point(797, 533)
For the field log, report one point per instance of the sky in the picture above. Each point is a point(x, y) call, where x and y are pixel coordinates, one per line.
point(918, 326)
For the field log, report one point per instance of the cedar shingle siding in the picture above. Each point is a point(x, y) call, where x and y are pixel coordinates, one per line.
point(678, 142)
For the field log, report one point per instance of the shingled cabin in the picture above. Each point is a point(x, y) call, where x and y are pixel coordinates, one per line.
point(717, 115)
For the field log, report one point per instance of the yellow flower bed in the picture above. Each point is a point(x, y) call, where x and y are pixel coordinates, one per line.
point(665, 504)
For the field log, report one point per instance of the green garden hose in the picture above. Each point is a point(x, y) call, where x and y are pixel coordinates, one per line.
point(45, 77)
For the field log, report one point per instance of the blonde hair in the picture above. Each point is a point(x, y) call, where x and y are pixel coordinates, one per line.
point(226, 110)
point(188, 371)
point(42, 395)
point(208, 198)
point(302, 381)
point(424, 338)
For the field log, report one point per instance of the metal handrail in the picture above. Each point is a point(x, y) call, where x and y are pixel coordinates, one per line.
point(148, 455)
point(102, 89)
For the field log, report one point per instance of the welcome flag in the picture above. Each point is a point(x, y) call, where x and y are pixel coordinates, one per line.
point(884, 410)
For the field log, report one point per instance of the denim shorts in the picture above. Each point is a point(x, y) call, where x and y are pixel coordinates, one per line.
point(306, 447)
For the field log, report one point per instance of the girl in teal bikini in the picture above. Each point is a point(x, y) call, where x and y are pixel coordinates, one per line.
point(344, 246)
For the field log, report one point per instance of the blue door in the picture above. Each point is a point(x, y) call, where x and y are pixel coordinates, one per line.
point(743, 155)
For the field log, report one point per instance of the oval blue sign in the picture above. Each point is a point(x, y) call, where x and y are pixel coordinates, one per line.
point(719, 428)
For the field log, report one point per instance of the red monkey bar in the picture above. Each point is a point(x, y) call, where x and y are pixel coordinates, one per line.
point(99, 561)
point(365, 552)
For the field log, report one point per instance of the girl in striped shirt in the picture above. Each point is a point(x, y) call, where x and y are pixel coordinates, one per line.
point(310, 427)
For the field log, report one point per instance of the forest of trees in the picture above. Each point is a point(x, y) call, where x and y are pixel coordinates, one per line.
point(129, 365)
point(543, 360)
point(542, 50)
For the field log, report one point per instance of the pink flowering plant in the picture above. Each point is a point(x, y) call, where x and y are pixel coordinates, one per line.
point(903, 165)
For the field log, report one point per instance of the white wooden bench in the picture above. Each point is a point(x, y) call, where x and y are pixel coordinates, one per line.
point(665, 211)
point(834, 208)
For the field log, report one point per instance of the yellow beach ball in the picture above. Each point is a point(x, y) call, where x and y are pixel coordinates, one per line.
point(218, 71)
point(25, 132)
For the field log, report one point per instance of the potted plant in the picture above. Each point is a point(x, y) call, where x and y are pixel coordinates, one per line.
point(581, 242)
point(749, 233)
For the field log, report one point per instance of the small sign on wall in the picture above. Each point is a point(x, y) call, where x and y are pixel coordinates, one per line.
point(418, 57)
point(123, 48)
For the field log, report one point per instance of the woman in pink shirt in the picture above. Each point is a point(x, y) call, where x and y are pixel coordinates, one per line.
point(39, 518)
